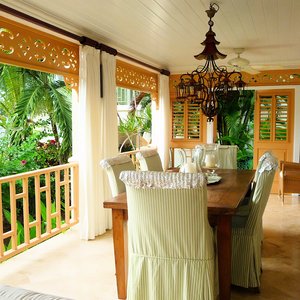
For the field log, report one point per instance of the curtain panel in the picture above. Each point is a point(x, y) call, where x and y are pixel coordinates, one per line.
point(95, 116)
point(161, 122)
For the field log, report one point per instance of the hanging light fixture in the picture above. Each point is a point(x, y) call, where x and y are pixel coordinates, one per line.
point(210, 85)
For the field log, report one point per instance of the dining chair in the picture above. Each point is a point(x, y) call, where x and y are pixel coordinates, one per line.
point(178, 158)
point(197, 158)
point(228, 156)
point(242, 207)
point(247, 230)
point(170, 242)
point(113, 167)
point(149, 160)
point(289, 178)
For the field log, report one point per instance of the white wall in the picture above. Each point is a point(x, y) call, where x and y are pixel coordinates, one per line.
point(296, 114)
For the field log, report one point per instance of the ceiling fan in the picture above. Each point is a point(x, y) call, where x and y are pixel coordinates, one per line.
point(241, 64)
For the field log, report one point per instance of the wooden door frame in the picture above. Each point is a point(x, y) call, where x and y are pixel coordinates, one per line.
point(275, 146)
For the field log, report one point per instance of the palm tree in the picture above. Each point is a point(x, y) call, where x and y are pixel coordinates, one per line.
point(47, 95)
point(26, 95)
point(11, 84)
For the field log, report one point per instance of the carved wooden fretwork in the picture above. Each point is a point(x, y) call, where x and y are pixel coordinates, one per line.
point(30, 48)
point(135, 78)
point(273, 78)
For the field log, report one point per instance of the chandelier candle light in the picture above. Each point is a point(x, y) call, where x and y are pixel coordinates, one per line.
point(210, 85)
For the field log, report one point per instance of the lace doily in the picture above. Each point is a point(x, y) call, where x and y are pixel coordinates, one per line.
point(164, 180)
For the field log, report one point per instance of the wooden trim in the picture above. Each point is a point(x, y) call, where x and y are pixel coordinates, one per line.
point(273, 78)
point(135, 78)
point(30, 48)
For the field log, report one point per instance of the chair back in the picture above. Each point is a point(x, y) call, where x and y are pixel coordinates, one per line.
point(266, 155)
point(228, 156)
point(149, 160)
point(178, 158)
point(113, 167)
point(198, 156)
point(261, 193)
point(171, 248)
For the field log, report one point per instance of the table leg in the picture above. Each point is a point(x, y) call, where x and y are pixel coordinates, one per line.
point(224, 255)
point(118, 220)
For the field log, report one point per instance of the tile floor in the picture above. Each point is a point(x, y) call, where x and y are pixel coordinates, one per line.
point(81, 270)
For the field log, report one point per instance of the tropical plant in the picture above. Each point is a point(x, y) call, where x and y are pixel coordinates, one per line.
point(11, 85)
point(46, 95)
point(235, 124)
point(137, 122)
point(29, 97)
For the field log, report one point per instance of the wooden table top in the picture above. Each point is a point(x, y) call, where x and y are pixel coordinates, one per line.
point(223, 196)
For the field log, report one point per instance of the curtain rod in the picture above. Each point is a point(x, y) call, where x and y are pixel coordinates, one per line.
point(82, 39)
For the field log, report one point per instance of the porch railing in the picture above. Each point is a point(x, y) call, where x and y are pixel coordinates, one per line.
point(35, 206)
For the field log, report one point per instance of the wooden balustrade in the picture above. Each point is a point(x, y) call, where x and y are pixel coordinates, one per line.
point(35, 206)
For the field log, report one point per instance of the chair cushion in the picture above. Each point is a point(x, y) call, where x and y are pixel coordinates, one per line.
point(13, 293)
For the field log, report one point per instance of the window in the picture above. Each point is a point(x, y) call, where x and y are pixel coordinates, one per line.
point(273, 117)
point(186, 120)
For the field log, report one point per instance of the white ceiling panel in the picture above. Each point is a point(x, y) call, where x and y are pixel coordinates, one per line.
point(168, 33)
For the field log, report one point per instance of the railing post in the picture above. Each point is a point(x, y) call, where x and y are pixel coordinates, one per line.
point(1, 225)
point(75, 192)
point(70, 180)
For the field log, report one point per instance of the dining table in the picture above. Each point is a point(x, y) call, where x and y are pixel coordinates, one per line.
point(223, 199)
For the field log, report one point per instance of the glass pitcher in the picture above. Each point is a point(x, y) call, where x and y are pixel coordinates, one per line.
point(210, 158)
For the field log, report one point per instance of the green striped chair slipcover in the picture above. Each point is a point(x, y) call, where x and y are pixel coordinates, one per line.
point(242, 209)
point(149, 160)
point(114, 166)
point(247, 229)
point(171, 244)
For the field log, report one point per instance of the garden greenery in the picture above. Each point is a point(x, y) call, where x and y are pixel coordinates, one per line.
point(35, 133)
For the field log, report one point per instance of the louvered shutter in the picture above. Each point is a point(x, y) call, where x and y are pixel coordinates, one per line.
point(178, 120)
point(273, 118)
point(193, 124)
point(281, 121)
point(265, 118)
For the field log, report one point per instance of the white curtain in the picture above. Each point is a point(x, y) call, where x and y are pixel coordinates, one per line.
point(161, 122)
point(95, 116)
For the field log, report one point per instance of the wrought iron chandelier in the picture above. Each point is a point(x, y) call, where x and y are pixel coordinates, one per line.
point(210, 85)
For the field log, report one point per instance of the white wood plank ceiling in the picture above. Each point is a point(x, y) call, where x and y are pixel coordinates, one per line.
point(168, 33)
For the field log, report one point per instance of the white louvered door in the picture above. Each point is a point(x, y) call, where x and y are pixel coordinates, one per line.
point(274, 125)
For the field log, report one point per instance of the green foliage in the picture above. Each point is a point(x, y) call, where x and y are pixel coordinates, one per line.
point(235, 126)
point(31, 154)
point(32, 231)
point(28, 98)
point(136, 123)
point(35, 133)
